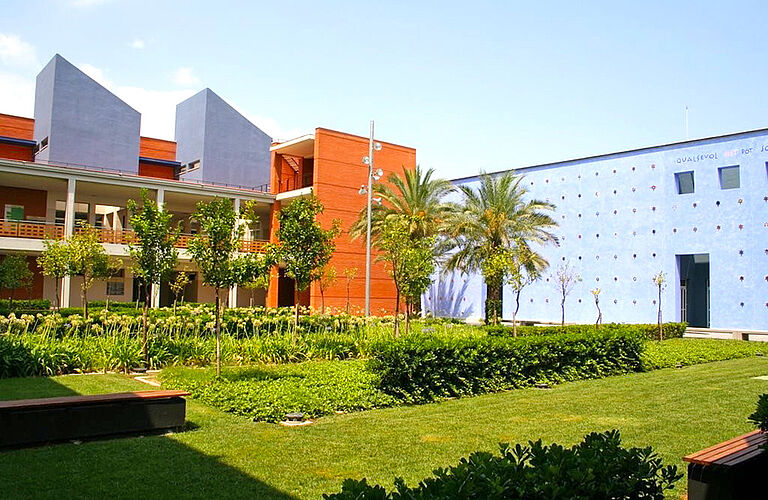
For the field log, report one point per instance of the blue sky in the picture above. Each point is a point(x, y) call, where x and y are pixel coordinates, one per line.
point(471, 85)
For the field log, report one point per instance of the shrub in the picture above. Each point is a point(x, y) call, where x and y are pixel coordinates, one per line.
point(269, 392)
point(684, 352)
point(670, 330)
point(422, 368)
point(597, 468)
point(26, 306)
point(760, 417)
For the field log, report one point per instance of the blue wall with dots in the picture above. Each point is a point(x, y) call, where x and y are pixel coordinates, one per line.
point(622, 220)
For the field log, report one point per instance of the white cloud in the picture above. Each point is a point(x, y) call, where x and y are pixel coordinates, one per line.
point(185, 77)
point(16, 52)
point(138, 43)
point(17, 94)
point(272, 128)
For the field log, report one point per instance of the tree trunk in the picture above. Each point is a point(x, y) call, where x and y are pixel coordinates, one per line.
point(347, 296)
point(407, 316)
point(322, 301)
point(295, 333)
point(514, 314)
point(562, 311)
point(599, 320)
point(661, 331)
point(85, 299)
point(397, 314)
point(58, 294)
point(218, 333)
point(491, 301)
point(144, 347)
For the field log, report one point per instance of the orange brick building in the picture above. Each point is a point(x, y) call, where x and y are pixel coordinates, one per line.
point(328, 164)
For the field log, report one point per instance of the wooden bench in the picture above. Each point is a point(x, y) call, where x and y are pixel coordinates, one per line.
point(34, 421)
point(731, 470)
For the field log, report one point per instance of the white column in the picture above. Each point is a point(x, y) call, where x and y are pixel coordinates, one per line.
point(69, 228)
point(155, 288)
point(238, 223)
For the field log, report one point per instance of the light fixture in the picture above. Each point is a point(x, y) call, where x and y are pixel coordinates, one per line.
point(362, 190)
point(366, 160)
point(377, 146)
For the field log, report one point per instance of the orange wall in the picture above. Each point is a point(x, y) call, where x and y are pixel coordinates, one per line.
point(157, 148)
point(33, 200)
point(17, 127)
point(339, 173)
point(147, 169)
point(17, 152)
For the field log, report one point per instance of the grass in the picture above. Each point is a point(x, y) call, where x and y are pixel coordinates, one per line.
point(685, 352)
point(677, 411)
point(268, 392)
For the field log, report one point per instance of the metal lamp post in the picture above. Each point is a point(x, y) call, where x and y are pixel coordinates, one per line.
point(368, 191)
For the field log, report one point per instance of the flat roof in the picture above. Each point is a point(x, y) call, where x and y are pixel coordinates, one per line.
point(644, 149)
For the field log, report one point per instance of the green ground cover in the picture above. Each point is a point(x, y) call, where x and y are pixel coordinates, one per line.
point(677, 411)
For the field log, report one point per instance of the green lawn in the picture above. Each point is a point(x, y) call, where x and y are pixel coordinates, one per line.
point(677, 411)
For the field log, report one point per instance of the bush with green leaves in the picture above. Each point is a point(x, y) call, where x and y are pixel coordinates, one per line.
point(422, 368)
point(25, 306)
point(671, 330)
point(269, 392)
point(597, 468)
point(760, 417)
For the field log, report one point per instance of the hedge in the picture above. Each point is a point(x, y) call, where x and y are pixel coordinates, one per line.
point(24, 306)
point(419, 368)
point(597, 468)
point(669, 330)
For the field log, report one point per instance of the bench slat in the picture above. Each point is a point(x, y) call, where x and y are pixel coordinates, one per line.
point(89, 399)
point(730, 452)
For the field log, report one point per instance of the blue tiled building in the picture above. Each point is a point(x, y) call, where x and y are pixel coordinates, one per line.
point(696, 211)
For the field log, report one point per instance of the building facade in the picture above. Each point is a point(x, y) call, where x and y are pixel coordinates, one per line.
point(696, 211)
point(81, 158)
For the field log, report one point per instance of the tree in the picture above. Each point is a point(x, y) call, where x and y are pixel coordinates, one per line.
point(596, 295)
point(526, 269)
point(305, 246)
point(497, 223)
point(14, 274)
point(54, 262)
point(177, 286)
point(87, 258)
point(326, 280)
point(416, 195)
point(565, 280)
point(349, 273)
point(154, 253)
point(660, 280)
point(254, 269)
point(410, 262)
point(214, 251)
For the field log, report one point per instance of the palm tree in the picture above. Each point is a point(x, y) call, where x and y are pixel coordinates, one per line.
point(414, 196)
point(498, 226)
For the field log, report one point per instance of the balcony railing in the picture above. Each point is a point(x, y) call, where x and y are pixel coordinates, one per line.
point(46, 230)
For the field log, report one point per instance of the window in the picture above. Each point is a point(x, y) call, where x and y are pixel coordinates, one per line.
point(115, 288)
point(189, 167)
point(41, 145)
point(729, 177)
point(684, 182)
point(81, 212)
point(14, 212)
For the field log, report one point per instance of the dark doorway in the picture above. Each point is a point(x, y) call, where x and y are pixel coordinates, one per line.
point(694, 289)
point(285, 290)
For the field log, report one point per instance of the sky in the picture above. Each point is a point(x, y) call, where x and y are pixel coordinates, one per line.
point(471, 85)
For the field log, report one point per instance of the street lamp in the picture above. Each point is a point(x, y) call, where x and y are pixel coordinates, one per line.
point(372, 176)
